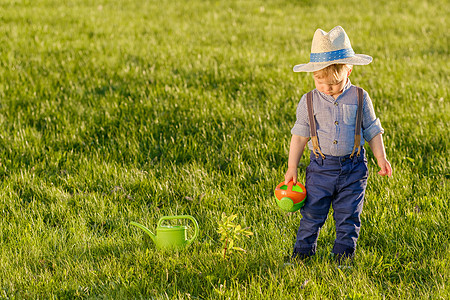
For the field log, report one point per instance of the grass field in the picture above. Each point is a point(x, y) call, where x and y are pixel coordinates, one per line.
point(116, 111)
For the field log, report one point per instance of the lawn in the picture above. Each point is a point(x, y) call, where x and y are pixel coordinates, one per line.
point(117, 111)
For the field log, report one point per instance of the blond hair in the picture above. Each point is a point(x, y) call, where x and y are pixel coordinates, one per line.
point(335, 71)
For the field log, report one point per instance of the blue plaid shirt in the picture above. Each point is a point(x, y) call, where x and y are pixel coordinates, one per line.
point(336, 120)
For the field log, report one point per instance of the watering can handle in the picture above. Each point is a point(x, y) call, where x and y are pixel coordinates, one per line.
point(191, 218)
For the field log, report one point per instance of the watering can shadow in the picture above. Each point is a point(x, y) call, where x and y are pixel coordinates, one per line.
point(171, 237)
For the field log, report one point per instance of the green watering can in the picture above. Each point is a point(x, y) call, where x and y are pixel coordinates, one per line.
point(170, 236)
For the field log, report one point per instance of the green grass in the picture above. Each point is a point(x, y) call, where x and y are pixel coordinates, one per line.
point(120, 111)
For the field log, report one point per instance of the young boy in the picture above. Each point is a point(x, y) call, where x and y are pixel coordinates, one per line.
point(339, 117)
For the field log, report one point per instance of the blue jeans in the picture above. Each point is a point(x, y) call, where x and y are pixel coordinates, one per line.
point(340, 182)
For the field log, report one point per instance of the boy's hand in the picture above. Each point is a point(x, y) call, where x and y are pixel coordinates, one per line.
point(291, 174)
point(385, 167)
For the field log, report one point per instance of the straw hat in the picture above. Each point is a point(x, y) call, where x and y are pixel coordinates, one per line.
point(331, 48)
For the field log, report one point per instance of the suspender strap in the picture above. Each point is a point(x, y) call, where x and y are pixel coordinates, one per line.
point(312, 126)
point(358, 124)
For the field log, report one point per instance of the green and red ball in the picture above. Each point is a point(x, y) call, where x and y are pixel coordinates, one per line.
point(290, 197)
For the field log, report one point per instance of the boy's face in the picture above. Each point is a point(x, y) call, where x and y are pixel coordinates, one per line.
point(331, 85)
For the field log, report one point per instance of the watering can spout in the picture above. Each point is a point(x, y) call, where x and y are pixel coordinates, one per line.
point(146, 230)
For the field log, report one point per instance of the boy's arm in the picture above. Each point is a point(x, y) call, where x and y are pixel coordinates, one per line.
point(295, 153)
point(377, 147)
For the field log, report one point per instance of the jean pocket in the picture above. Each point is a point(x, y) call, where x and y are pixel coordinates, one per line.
point(349, 115)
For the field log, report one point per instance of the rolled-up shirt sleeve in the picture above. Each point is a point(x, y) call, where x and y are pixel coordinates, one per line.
point(371, 125)
point(301, 126)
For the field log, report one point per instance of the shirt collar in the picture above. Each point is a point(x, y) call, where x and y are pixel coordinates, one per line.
point(346, 87)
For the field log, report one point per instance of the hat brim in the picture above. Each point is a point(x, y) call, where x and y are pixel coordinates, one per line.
point(358, 59)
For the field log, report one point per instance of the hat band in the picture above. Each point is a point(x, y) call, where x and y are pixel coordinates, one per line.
point(332, 55)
